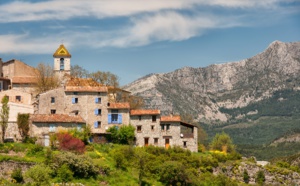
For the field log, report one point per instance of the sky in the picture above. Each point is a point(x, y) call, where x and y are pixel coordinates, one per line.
point(134, 38)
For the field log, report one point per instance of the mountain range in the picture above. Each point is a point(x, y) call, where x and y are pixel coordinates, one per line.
point(205, 92)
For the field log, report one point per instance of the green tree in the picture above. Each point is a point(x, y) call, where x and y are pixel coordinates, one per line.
point(38, 175)
point(124, 135)
point(246, 176)
point(4, 114)
point(23, 124)
point(64, 173)
point(222, 142)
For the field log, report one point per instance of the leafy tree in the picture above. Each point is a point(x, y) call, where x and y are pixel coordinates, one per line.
point(45, 78)
point(105, 78)
point(23, 124)
point(79, 72)
point(38, 175)
point(124, 135)
point(4, 114)
point(222, 142)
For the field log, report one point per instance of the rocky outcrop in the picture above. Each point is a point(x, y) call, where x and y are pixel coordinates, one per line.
point(202, 91)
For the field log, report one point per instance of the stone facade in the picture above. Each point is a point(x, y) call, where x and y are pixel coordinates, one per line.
point(161, 131)
point(19, 102)
point(91, 104)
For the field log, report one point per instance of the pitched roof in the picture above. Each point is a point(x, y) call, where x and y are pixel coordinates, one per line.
point(144, 112)
point(56, 118)
point(84, 85)
point(119, 105)
point(170, 118)
point(24, 79)
point(61, 52)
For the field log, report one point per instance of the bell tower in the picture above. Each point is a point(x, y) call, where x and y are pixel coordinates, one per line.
point(62, 61)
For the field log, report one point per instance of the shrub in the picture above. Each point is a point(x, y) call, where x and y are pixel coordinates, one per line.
point(69, 143)
point(64, 173)
point(38, 175)
point(173, 173)
point(260, 177)
point(17, 175)
point(36, 149)
point(246, 176)
point(81, 165)
point(222, 142)
point(124, 135)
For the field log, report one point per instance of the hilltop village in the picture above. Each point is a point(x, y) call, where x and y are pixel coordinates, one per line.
point(78, 102)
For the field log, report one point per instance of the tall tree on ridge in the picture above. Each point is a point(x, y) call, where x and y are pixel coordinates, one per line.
point(4, 114)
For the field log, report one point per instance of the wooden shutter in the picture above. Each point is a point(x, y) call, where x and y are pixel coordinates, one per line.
point(96, 124)
point(96, 111)
point(73, 100)
point(120, 118)
point(109, 118)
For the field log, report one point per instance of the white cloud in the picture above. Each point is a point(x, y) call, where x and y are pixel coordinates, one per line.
point(62, 10)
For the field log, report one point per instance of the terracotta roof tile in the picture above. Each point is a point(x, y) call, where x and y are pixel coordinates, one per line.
point(85, 89)
point(170, 118)
point(56, 118)
point(144, 112)
point(84, 85)
point(24, 79)
point(119, 105)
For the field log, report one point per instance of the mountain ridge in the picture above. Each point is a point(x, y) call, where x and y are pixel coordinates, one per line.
point(202, 91)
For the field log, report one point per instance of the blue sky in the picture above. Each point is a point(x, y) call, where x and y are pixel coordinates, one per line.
point(133, 38)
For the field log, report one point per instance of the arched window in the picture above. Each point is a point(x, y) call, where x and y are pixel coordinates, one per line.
point(62, 64)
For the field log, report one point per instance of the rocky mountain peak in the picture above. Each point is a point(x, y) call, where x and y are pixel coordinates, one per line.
point(203, 91)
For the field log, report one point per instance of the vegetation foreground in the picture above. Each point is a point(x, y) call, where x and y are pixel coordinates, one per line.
point(72, 162)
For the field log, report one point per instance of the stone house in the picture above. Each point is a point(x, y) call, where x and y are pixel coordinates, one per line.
point(163, 131)
point(19, 102)
point(21, 75)
point(43, 125)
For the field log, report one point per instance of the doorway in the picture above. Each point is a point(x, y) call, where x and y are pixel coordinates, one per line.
point(167, 143)
point(146, 142)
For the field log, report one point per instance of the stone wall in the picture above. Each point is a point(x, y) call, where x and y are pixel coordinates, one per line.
point(17, 68)
point(7, 167)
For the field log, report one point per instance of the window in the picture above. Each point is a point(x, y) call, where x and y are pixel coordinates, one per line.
point(155, 141)
point(76, 112)
point(153, 118)
point(74, 100)
point(152, 127)
point(79, 126)
point(62, 64)
point(52, 111)
point(52, 99)
point(114, 116)
point(98, 111)
point(97, 100)
point(184, 144)
point(18, 98)
point(140, 118)
point(52, 127)
point(139, 128)
point(168, 126)
point(97, 124)
point(162, 127)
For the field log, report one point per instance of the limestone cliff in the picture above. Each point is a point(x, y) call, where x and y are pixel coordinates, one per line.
point(202, 91)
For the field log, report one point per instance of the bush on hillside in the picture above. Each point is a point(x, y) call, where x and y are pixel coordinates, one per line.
point(81, 165)
point(69, 143)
